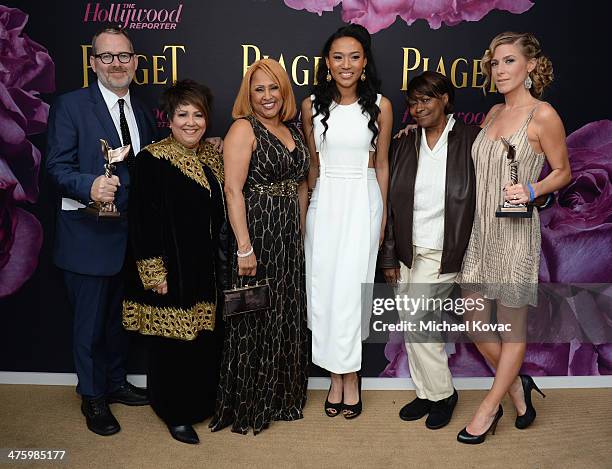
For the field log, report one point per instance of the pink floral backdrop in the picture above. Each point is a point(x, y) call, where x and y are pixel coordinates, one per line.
point(26, 70)
point(376, 15)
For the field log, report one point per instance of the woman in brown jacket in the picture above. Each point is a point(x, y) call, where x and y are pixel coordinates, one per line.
point(430, 214)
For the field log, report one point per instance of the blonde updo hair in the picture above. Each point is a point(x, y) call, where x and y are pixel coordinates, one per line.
point(541, 75)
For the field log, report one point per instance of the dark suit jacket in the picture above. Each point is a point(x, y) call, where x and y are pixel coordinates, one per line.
point(77, 121)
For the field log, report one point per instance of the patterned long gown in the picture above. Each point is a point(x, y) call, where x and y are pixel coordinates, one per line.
point(265, 358)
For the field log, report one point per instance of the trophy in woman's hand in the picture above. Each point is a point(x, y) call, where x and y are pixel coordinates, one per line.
point(508, 209)
point(112, 157)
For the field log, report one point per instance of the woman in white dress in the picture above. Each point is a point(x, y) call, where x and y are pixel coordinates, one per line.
point(347, 125)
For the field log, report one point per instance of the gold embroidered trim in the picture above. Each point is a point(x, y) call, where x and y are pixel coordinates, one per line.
point(173, 323)
point(189, 162)
point(151, 271)
point(213, 159)
point(287, 188)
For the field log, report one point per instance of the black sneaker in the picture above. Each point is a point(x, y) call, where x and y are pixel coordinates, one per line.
point(99, 417)
point(416, 409)
point(441, 412)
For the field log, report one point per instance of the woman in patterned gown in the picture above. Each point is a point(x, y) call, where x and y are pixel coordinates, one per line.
point(265, 359)
point(502, 260)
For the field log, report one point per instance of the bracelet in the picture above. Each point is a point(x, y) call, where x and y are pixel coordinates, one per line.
point(531, 192)
point(245, 254)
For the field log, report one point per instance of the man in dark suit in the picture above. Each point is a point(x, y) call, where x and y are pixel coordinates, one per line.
point(91, 252)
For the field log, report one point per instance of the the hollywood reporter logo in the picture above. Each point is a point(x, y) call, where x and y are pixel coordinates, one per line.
point(129, 16)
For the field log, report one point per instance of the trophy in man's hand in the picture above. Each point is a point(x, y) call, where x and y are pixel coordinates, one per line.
point(508, 209)
point(112, 157)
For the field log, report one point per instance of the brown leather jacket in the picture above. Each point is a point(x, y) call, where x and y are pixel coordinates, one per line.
point(459, 203)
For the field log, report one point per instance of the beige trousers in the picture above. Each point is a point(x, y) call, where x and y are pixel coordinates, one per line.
point(428, 362)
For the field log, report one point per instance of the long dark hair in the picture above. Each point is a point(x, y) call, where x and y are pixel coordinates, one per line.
point(326, 92)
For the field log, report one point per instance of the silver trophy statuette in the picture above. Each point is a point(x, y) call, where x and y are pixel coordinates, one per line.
point(112, 157)
point(506, 209)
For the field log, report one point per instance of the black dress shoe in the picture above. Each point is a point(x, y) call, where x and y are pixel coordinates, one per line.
point(128, 394)
point(99, 417)
point(468, 438)
point(416, 409)
point(523, 421)
point(184, 434)
point(441, 412)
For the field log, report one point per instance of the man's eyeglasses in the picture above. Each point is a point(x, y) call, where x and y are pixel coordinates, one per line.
point(107, 58)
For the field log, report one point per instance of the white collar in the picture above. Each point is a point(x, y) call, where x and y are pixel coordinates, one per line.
point(111, 98)
point(443, 137)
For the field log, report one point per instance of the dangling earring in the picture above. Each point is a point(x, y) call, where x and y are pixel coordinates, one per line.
point(363, 75)
point(328, 77)
point(528, 82)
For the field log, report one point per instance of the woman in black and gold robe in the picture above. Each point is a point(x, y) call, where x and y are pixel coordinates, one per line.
point(175, 214)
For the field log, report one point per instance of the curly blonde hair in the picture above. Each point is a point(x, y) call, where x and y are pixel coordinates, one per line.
point(541, 75)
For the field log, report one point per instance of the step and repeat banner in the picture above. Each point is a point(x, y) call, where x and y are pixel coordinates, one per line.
point(44, 50)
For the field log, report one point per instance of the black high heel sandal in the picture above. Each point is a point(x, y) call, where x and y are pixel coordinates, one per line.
point(523, 421)
point(351, 411)
point(337, 406)
point(465, 437)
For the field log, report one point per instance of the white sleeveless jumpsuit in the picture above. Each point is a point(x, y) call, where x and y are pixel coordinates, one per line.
point(343, 227)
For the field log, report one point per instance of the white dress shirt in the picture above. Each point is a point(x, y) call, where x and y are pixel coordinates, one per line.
point(429, 191)
point(111, 100)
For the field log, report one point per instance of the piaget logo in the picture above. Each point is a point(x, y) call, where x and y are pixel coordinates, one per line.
point(130, 16)
point(462, 72)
